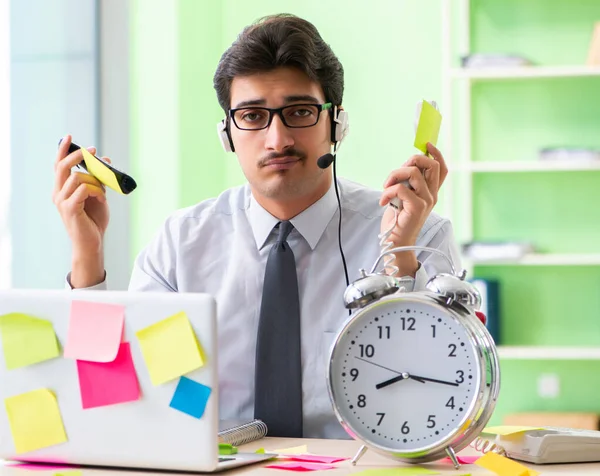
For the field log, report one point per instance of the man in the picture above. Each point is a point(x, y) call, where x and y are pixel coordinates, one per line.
point(281, 88)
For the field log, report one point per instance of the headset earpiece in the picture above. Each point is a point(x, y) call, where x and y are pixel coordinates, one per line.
point(339, 126)
point(224, 137)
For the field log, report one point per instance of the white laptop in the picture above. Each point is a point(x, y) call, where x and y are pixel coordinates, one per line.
point(145, 433)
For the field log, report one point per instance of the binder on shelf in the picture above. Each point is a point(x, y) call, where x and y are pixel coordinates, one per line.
point(490, 305)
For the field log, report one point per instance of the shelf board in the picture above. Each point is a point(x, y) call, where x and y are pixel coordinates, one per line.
point(548, 353)
point(521, 72)
point(532, 166)
point(549, 259)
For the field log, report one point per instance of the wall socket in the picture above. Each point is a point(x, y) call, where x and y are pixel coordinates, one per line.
point(548, 386)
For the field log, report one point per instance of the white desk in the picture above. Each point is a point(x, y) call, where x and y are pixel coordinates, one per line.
point(345, 448)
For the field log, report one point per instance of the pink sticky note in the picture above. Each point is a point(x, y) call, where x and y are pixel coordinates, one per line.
point(464, 459)
point(41, 467)
point(102, 384)
point(315, 458)
point(95, 331)
point(299, 466)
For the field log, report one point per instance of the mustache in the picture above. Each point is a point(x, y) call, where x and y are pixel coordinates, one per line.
point(280, 155)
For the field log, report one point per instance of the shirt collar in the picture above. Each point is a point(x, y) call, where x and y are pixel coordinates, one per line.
point(311, 223)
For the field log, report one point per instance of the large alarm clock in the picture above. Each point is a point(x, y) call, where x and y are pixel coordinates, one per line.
point(413, 375)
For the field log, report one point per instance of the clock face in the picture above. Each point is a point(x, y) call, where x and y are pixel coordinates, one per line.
point(405, 375)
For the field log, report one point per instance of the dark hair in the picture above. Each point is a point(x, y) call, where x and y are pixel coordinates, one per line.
point(276, 41)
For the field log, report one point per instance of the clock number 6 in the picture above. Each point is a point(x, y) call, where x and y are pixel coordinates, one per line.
point(405, 429)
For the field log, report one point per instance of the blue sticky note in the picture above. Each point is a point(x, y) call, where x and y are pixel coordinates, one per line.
point(190, 397)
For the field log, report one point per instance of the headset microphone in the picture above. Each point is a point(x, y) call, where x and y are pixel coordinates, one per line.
point(325, 160)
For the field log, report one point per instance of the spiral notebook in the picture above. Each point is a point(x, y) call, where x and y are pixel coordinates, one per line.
point(238, 433)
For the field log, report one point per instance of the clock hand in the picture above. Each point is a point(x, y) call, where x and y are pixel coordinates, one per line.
point(416, 377)
point(402, 376)
point(377, 365)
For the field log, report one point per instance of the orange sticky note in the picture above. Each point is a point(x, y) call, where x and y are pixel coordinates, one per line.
point(35, 420)
point(27, 340)
point(170, 348)
point(95, 331)
point(503, 466)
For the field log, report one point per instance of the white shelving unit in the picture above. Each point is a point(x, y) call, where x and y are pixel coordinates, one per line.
point(548, 353)
point(535, 259)
point(524, 72)
point(531, 166)
point(463, 167)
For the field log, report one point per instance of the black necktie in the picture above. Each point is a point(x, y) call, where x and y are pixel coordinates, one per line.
point(278, 375)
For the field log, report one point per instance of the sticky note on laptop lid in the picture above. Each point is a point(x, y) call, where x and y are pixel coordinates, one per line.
point(95, 331)
point(27, 340)
point(427, 125)
point(35, 420)
point(170, 348)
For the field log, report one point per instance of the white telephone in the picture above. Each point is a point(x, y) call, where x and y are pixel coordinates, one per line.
point(547, 445)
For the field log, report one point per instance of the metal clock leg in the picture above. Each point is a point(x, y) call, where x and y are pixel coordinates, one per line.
point(359, 455)
point(452, 455)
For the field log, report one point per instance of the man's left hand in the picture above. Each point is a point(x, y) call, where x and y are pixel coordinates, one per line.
point(425, 175)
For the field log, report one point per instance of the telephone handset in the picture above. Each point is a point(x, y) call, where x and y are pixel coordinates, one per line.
point(544, 445)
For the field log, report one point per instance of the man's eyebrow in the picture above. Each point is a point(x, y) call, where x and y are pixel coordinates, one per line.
point(287, 100)
point(251, 102)
point(301, 97)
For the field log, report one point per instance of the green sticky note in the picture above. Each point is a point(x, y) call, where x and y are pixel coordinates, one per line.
point(227, 449)
point(428, 127)
point(27, 340)
point(260, 451)
point(410, 471)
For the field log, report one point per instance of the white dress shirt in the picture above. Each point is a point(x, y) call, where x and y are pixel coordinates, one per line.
point(220, 246)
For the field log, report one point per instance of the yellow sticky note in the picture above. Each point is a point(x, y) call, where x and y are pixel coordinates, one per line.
point(35, 420)
point(105, 175)
point(294, 450)
point(170, 348)
point(27, 340)
point(260, 451)
point(69, 472)
point(428, 127)
point(508, 429)
point(503, 466)
point(407, 471)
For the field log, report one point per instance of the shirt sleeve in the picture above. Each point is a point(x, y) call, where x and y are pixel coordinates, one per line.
point(98, 287)
point(155, 267)
point(433, 263)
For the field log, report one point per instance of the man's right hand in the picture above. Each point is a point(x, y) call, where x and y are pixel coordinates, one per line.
point(81, 201)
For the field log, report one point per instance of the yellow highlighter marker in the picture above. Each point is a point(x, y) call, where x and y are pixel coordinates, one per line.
point(119, 181)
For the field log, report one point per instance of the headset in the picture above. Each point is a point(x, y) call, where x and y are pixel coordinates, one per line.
point(339, 131)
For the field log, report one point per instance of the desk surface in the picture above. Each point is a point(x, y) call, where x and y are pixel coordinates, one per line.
point(344, 448)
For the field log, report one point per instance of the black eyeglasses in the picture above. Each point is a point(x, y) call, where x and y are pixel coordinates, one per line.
point(296, 116)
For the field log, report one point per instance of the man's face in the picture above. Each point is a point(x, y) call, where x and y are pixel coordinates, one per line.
point(280, 162)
